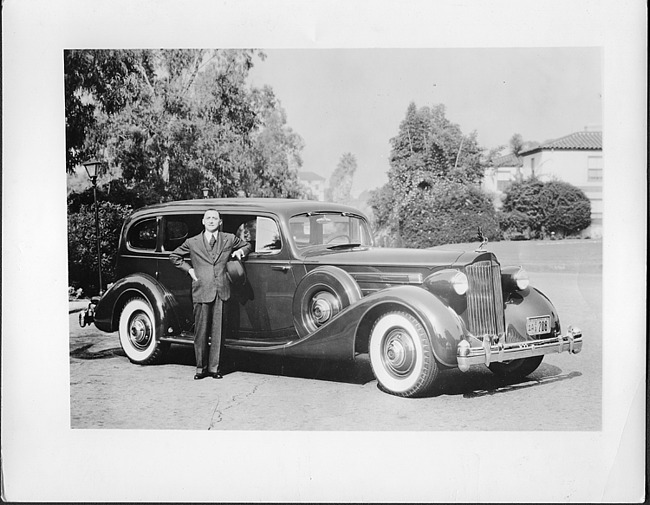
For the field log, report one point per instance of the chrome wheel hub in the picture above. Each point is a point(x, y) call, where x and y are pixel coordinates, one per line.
point(323, 306)
point(140, 331)
point(398, 352)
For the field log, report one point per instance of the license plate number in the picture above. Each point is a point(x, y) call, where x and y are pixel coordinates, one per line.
point(538, 325)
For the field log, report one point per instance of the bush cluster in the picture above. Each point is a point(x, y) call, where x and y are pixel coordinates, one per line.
point(535, 209)
point(446, 213)
point(82, 244)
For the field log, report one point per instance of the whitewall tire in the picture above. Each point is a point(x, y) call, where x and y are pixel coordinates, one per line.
point(137, 332)
point(401, 356)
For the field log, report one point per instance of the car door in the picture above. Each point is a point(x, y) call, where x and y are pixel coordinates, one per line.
point(262, 307)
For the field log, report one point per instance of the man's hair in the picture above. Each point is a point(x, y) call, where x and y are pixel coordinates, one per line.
point(213, 210)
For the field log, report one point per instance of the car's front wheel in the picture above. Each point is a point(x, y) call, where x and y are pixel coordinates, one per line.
point(137, 332)
point(517, 368)
point(401, 356)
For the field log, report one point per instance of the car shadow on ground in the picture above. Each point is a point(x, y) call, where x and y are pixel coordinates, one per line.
point(86, 352)
point(476, 384)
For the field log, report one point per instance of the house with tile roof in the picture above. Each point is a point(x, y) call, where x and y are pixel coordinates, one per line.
point(576, 158)
point(316, 184)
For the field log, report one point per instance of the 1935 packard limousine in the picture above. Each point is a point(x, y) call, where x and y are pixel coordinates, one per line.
point(315, 287)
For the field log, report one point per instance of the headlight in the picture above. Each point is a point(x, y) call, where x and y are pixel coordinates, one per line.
point(514, 279)
point(521, 279)
point(448, 283)
point(460, 283)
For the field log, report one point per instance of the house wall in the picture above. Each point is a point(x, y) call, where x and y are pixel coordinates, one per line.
point(317, 188)
point(495, 182)
point(582, 168)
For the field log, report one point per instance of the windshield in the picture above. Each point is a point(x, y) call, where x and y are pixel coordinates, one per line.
point(330, 229)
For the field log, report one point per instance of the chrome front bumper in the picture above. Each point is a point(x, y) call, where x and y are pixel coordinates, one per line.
point(492, 351)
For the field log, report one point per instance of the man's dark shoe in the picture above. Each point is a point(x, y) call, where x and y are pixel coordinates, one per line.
point(216, 375)
point(200, 375)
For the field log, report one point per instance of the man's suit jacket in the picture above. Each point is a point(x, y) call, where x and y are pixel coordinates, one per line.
point(209, 267)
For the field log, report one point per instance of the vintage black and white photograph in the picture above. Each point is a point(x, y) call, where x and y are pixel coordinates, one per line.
point(370, 247)
point(307, 269)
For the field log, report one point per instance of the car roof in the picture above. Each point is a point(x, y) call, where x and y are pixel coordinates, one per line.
point(285, 207)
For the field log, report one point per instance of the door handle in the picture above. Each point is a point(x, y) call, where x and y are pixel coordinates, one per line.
point(281, 268)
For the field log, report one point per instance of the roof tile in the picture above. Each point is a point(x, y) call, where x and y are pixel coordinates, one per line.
point(579, 140)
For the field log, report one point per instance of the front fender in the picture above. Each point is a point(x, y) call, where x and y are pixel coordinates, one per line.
point(350, 329)
point(163, 303)
point(528, 303)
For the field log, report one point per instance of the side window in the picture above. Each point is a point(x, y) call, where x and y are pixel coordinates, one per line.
point(179, 228)
point(143, 235)
point(262, 232)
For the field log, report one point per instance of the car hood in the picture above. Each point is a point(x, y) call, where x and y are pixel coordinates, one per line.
point(379, 256)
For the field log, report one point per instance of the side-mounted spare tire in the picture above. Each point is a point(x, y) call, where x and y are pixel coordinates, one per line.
point(137, 332)
point(320, 295)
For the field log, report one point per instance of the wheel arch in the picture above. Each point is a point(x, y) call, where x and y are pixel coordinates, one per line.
point(325, 278)
point(162, 302)
point(443, 326)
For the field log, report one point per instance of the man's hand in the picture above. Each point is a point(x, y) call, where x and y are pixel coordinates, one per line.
point(238, 254)
point(193, 275)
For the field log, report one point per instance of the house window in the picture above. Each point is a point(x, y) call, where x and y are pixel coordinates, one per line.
point(503, 185)
point(595, 168)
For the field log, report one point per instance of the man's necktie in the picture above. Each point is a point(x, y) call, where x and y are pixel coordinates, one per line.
point(212, 241)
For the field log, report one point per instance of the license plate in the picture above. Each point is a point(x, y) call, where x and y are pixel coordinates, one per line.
point(538, 325)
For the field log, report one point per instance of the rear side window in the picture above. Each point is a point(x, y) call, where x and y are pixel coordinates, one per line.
point(143, 235)
point(180, 228)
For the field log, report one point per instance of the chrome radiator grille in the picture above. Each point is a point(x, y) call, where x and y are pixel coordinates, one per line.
point(485, 299)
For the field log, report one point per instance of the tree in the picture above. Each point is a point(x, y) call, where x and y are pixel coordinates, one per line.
point(97, 81)
point(428, 152)
point(516, 144)
point(182, 119)
point(449, 212)
point(340, 185)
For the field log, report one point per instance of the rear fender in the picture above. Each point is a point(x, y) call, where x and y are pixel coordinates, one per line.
point(163, 304)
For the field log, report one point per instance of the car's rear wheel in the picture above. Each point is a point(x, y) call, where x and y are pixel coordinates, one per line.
point(137, 332)
point(516, 368)
point(401, 355)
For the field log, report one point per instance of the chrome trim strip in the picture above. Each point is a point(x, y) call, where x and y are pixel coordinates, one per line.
point(390, 278)
point(490, 353)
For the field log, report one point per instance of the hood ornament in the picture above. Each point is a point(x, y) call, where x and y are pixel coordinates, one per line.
point(482, 238)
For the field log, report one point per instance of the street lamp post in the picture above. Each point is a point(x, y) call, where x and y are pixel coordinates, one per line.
point(91, 169)
point(206, 191)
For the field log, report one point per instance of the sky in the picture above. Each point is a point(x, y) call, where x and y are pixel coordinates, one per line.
point(353, 100)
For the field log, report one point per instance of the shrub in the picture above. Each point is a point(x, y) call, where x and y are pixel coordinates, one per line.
point(515, 225)
point(82, 244)
point(567, 209)
point(447, 213)
point(523, 197)
point(534, 208)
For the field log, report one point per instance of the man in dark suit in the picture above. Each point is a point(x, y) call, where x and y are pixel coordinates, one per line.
point(208, 253)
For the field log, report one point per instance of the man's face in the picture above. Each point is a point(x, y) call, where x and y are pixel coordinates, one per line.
point(211, 220)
